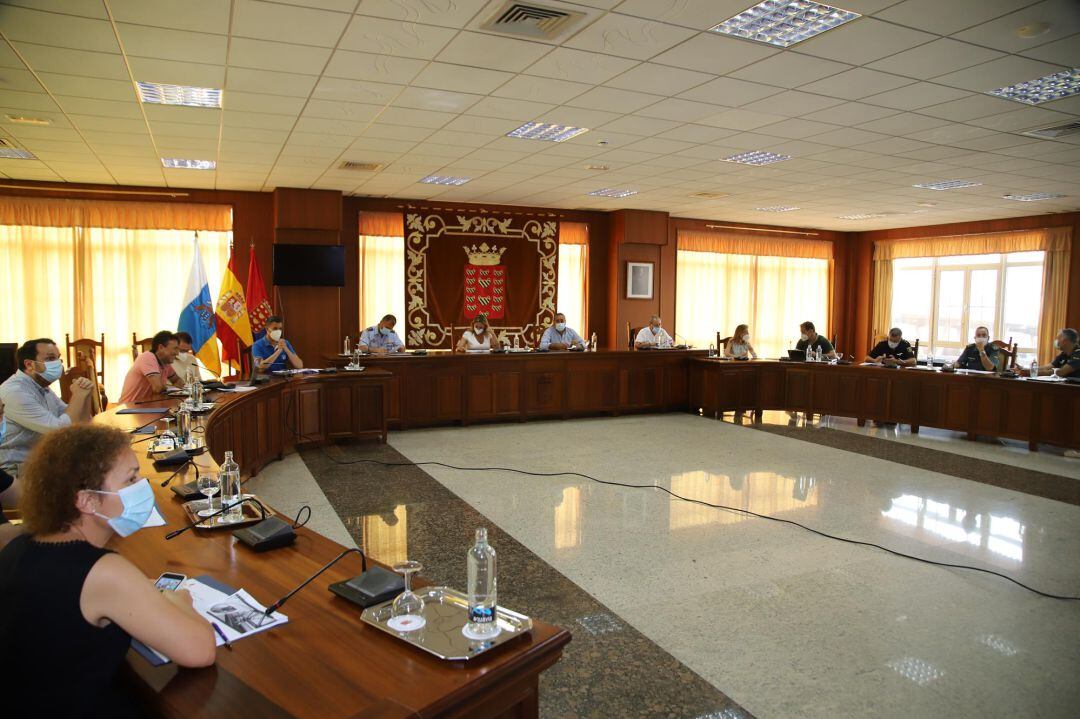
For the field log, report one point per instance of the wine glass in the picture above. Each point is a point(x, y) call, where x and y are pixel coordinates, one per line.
point(209, 486)
point(407, 611)
point(168, 435)
point(1055, 377)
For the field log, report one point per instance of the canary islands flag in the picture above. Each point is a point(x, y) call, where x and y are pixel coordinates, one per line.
point(197, 317)
point(233, 321)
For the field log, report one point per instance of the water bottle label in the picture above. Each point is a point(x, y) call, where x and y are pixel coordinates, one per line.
point(481, 615)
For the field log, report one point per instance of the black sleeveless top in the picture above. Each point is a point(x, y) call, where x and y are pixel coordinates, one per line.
point(55, 663)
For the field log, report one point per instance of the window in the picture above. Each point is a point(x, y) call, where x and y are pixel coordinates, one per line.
point(717, 291)
point(573, 275)
point(382, 269)
point(941, 300)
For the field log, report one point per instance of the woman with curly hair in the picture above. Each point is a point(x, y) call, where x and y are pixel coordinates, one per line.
point(69, 608)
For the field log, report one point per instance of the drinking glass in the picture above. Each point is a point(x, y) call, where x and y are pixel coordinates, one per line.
point(209, 486)
point(407, 611)
point(168, 434)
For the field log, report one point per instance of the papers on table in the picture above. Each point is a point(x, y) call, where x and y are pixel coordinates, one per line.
point(143, 410)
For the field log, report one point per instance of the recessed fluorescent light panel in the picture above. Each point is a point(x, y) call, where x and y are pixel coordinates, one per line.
point(776, 208)
point(23, 120)
point(183, 164)
point(611, 192)
point(14, 153)
point(947, 185)
point(159, 94)
point(547, 132)
point(783, 23)
point(758, 157)
point(445, 180)
point(864, 216)
point(1033, 197)
point(1052, 87)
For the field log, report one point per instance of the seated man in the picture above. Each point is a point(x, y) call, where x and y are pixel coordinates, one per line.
point(31, 408)
point(381, 339)
point(1068, 362)
point(273, 352)
point(561, 337)
point(652, 335)
point(892, 352)
point(185, 362)
point(980, 354)
point(810, 339)
point(152, 373)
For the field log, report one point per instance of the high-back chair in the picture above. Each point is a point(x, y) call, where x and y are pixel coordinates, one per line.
point(721, 343)
point(631, 333)
point(9, 363)
point(1006, 355)
point(93, 347)
point(139, 346)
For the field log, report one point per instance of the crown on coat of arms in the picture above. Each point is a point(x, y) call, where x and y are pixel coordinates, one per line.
point(484, 255)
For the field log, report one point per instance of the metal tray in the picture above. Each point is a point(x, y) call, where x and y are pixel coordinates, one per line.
point(251, 514)
point(446, 611)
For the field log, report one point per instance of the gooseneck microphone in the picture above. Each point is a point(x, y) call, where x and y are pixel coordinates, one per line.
point(363, 568)
point(192, 462)
point(177, 532)
point(370, 587)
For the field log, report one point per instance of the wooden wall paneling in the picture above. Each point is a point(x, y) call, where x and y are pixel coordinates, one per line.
point(773, 390)
point(957, 405)
point(339, 419)
point(592, 386)
point(797, 389)
point(309, 414)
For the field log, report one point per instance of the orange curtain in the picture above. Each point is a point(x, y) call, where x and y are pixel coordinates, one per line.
point(744, 243)
point(382, 224)
point(47, 212)
point(573, 275)
point(1051, 239)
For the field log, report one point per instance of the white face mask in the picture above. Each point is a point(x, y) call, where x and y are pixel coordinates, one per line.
point(478, 330)
point(184, 356)
point(980, 339)
point(274, 335)
point(804, 337)
point(893, 345)
point(1057, 345)
point(746, 338)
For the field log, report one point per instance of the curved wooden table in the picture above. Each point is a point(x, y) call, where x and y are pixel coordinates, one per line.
point(325, 662)
point(978, 404)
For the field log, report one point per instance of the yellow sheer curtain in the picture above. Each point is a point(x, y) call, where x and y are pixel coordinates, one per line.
point(573, 275)
point(382, 269)
point(83, 279)
point(716, 292)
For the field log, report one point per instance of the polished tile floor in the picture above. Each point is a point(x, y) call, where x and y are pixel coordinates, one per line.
point(785, 622)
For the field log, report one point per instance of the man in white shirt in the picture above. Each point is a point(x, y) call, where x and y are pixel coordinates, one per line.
point(31, 408)
point(381, 338)
point(561, 337)
point(185, 361)
point(652, 336)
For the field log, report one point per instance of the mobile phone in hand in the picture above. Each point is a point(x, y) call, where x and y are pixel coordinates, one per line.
point(168, 581)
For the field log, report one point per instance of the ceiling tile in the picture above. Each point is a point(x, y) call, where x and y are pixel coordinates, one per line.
point(969, 108)
point(46, 28)
point(674, 108)
point(849, 113)
point(915, 96)
point(415, 118)
point(206, 16)
point(400, 39)
point(713, 53)
point(626, 36)
point(729, 91)
point(612, 99)
point(88, 87)
point(177, 45)
point(1062, 18)
point(491, 51)
point(13, 80)
point(563, 63)
point(697, 133)
point(511, 109)
point(947, 18)
point(903, 123)
point(379, 93)
point(442, 14)
point(258, 102)
point(43, 58)
point(1062, 52)
point(856, 84)
point(191, 115)
point(789, 70)
point(176, 73)
point(340, 110)
point(460, 78)
point(277, 56)
point(936, 58)
point(863, 41)
point(739, 119)
point(423, 98)
point(797, 128)
point(271, 83)
point(541, 89)
point(1021, 119)
point(287, 23)
point(696, 14)
point(367, 66)
point(636, 125)
point(997, 73)
point(659, 79)
point(792, 103)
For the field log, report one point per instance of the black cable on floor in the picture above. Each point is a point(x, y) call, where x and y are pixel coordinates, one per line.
point(702, 502)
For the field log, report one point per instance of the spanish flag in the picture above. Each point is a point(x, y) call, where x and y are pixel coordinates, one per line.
point(232, 314)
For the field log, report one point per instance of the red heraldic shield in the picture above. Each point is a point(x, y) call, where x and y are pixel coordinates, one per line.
point(485, 291)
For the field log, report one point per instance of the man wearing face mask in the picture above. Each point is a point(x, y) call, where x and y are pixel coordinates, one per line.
point(893, 351)
point(273, 352)
point(810, 339)
point(185, 363)
point(8, 495)
point(980, 354)
point(381, 339)
point(652, 336)
point(561, 337)
point(152, 372)
point(1068, 362)
point(31, 408)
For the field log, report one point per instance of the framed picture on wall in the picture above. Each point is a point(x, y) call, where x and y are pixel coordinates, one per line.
point(639, 280)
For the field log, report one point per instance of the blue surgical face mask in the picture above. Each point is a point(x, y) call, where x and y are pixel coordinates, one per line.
point(560, 326)
point(53, 370)
point(3, 428)
point(138, 501)
point(385, 331)
point(656, 330)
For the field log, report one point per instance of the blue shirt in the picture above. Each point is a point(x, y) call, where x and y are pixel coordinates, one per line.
point(567, 337)
point(263, 348)
point(31, 411)
point(373, 339)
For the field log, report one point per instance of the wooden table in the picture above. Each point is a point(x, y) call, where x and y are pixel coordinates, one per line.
point(464, 388)
point(978, 404)
point(325, 662)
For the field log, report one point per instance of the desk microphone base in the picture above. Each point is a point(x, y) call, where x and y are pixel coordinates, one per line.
point(374, 586)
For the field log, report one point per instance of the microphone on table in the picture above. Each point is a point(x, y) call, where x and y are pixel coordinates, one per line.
point(684, 340)
point(200, 520)
point(164, 414)
point(190, 460)
point(370, 587)
point(270, 532)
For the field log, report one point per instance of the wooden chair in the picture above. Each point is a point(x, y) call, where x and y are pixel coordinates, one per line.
point(721, 343)
point(94, 347)
point(9, 362)
point(915, 348)
point(1006, 355)
point(138, 346)
point(631, 333)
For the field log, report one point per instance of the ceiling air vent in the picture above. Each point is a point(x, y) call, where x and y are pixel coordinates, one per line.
point(360, 166)
point(1053, 131)
point(531, 20)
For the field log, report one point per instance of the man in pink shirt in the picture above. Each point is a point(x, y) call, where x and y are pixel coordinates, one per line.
point(152, 371)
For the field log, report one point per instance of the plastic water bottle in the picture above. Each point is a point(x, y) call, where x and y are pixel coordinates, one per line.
point(197, 393)
point(929, 360)
point(1034, 371)
point(231, 490)
point(482, 586)
point(592, 343)
point(712, 350)
point(346, 351)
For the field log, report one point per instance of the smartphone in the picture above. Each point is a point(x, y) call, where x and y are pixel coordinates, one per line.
point(168, 581)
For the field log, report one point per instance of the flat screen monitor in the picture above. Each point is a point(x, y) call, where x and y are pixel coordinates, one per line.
point(311, 265)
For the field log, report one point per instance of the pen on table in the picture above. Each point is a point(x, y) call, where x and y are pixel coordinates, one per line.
point(228, 644)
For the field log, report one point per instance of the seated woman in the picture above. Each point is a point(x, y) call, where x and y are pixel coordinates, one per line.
point(739, 345)
point(69, 608)
point(478, 338)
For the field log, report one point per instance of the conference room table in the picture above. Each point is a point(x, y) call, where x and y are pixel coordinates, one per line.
point(325, 662)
